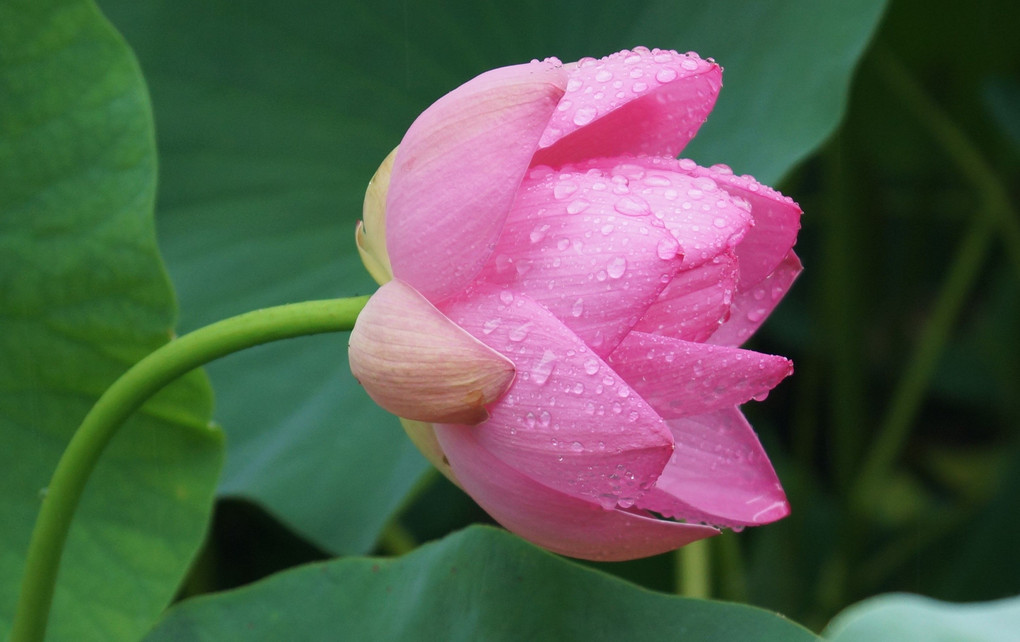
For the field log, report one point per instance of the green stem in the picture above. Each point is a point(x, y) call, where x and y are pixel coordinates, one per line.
point(693, 570)
point(126, 395)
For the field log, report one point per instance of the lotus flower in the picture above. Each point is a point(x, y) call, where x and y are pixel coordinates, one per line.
point(563, 300)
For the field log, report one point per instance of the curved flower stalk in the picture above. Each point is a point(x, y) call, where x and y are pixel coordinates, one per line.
point(562, 302)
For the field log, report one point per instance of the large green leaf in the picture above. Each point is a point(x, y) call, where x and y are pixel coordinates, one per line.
point(896, 617)
point(478, 584)
point(83, 295)
point(272, 117)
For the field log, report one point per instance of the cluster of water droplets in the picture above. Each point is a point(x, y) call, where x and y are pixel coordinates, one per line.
point(597, 87)
point(554, 416)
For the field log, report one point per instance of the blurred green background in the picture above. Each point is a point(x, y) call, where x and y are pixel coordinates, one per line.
point(895, 126)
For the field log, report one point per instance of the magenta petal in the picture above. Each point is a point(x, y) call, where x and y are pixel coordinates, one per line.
point(704, 219)
point(719, 474)
point(695, 302)
point(637, 102)
point(567, 421)
point(776, 222)
point(751, 307)
point(571, 244)
point(554, 520)
point(683, 378)
point(457, 170)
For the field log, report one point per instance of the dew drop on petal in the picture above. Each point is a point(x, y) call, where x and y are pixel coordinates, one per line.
point(544, 419)
point(564, 189)
point(540, 373)
point(591, 366)
point(507, 297)
point(577, 309)
point(520, 333)
point(666, 75)
point(631, 205)
point(667, 248)
point(489, 326)
point(584, 115)
point(577, 206)
point(617, 267)
point(538, 233)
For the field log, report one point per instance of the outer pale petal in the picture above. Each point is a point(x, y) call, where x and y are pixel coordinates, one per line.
point(573, 245)
point(633, 102)
point(370, 234)
point(414, 362)
point(718, 474)
point(457, 170)
point(568, 421)
point(776, 221)
point(751, 307)
point(683, 378)
point(553, 520)
point(695, 302)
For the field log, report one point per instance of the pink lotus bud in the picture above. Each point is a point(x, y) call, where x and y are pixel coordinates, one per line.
point(567, 299)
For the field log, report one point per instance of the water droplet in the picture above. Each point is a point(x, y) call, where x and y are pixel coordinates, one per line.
point(617, 267)
point(544, 419)
point(632, 205)
point(538, 233)
point(577, 309)
point(489, 326)
point(667, 248)
point(689, 64)
point(607, 229)
point(540, 373)
point(719, 222)
point(577, 206)
point(573, 84)
point(591, 366)
point(600, 275)
point(507, 297)
point(520, 332)
point(607, 501)
point(666, 75)
point(585, 115)
point(604, 75)
point(578, 388)
point(529, 420)
point(577, 447)
point(754, 316)
point(639, 87)
point(564, 189)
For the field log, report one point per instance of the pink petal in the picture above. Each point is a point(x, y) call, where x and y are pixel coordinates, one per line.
point(632, 102)
point(554, 520)
point(776, 222)
point(695, 302)
point(457, 170)
point(718, 474)
point(682, 378)
point(568, 421)
point(751, 307)
point(573, 245)
point(414, 362)
point(705, 220)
